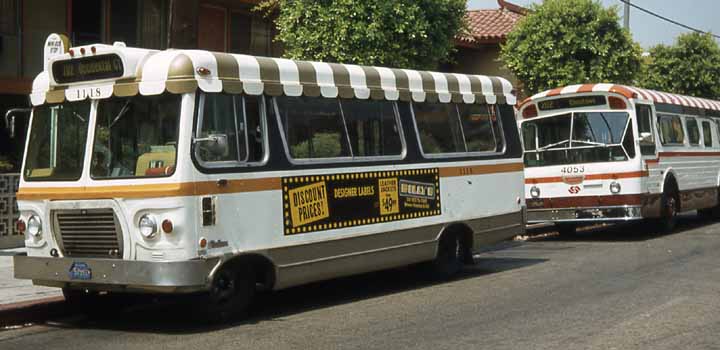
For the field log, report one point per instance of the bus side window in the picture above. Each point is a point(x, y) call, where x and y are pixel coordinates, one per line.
point(238, 121)
point(644, 121)
point(671, 129)
point(219, 119)
point(707, 134)
point(313, 127)
point(481, 128)
point(372, 127)
point(693, 131)
point(255, 128)
point(439, 127)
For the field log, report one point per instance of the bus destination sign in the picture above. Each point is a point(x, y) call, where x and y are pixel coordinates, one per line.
point(571, 102)
point(88, 69)
point(325, 202)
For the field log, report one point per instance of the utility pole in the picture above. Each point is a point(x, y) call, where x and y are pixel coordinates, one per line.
point(626, 18)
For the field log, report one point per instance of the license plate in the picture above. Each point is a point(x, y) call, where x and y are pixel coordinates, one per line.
point(80, 271)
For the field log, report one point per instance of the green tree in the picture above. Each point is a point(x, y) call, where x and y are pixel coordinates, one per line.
point(691, 67)
point(564, 42)
point(401, 33)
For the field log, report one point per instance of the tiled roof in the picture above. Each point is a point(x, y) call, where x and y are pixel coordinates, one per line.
point(489, 26)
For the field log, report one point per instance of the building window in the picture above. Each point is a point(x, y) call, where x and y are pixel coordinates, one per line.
point(86, 22)
point(212, 28)
point(124, 22)
point(153, 28)
point(251, 34)
point(8, 17)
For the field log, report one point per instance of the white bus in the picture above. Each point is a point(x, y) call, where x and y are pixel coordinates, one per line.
point(613, 153)
point(185, 171)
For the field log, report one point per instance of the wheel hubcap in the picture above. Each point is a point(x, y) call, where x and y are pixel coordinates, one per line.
point(224, 287)
point(670, 207)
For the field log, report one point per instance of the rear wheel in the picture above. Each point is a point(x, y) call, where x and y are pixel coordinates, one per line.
point(449, 257)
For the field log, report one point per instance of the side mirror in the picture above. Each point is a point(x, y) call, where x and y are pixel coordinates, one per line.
point(646, 137)
point(215, 144)
point(10, 119)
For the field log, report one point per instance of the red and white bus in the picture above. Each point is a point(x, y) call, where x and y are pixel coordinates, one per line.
point(610, 153)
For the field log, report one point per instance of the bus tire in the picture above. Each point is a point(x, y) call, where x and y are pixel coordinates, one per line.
point(669, 205)
point(566, 230)
point(230, 294)
point(448, 260)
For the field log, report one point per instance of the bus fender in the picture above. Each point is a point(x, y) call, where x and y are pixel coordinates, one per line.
point(668, 174)
point(466, 234)
point(264, 268)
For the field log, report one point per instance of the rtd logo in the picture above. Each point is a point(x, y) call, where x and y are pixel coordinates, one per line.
point(574, 189)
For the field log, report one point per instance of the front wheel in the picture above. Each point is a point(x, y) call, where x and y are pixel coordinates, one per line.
point(668, 212)
point(230, 293)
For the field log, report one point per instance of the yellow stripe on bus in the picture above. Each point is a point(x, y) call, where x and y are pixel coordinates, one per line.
point(210, 187)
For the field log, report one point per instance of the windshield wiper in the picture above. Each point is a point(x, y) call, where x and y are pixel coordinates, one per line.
point(122, 112)
point(78, 116)
point(591, 143)
point(552, 145)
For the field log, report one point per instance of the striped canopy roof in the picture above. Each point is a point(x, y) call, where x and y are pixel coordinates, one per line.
point(631, 92)
point(183, 71)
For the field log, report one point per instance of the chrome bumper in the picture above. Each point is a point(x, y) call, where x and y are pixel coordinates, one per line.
point(118, 275)
point(599, 214)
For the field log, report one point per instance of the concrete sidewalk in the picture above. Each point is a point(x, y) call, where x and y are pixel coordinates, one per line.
point(14, 291)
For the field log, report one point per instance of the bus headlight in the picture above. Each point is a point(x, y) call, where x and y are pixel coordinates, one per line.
point(535, 192)
point(148, 226)
point(615, 187)
point(34, 226)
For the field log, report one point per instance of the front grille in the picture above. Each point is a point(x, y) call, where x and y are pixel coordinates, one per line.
point(93, 233)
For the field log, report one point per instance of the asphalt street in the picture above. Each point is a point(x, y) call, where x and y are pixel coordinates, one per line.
point(617, 288)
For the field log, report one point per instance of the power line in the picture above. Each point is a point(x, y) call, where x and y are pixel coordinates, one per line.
point(627, 2)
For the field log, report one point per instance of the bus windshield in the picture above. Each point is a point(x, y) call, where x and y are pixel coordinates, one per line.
point(579, 137)
point(56, 147)
point(136, 137)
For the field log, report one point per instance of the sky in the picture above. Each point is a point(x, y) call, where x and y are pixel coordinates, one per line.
point(646, 29)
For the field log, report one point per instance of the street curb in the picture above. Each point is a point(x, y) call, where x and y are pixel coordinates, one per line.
point(31, 311)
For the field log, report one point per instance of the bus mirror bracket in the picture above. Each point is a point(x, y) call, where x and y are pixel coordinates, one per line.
point(216, 144)
point(10, 119)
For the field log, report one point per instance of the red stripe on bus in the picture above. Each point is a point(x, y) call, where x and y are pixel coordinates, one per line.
point(586, 88)
point(608, 176)
point(585, 201)
point(554, 92)
point(688, 154)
